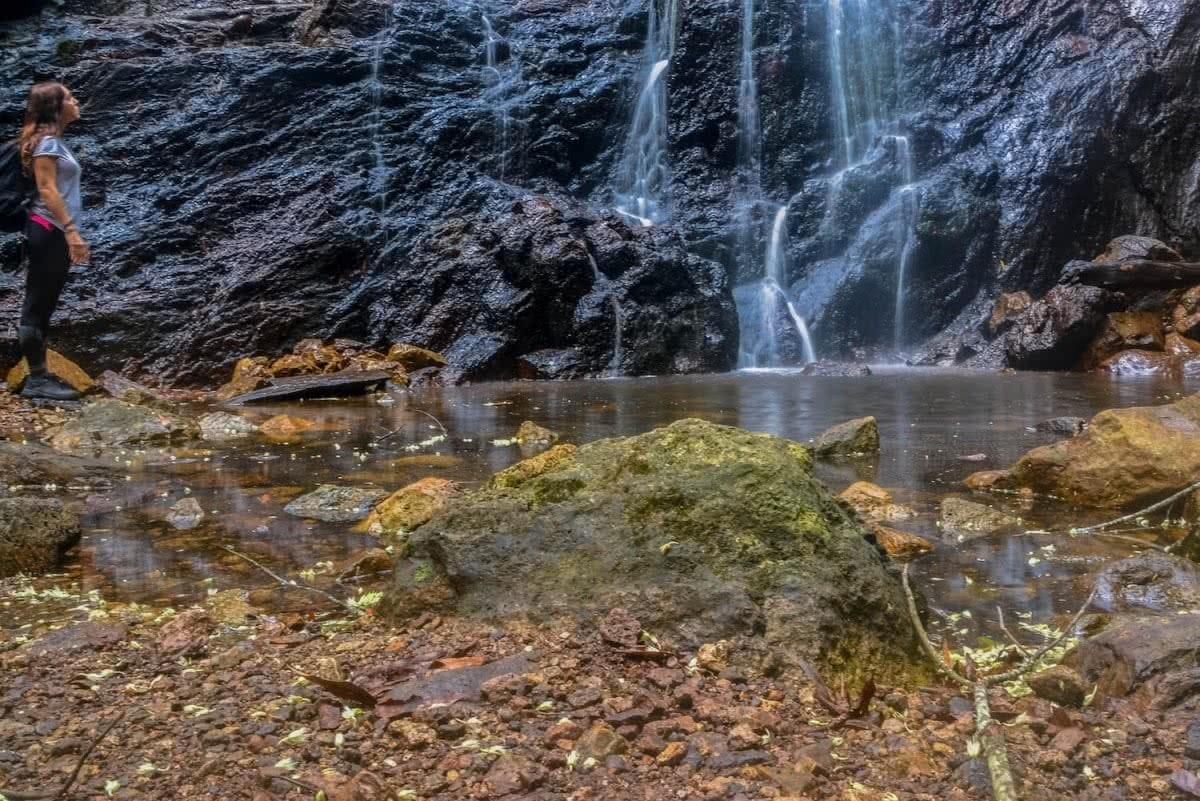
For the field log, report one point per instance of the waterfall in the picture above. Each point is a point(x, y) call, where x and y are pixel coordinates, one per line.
point(379, 173)
point(601, 283)
point(643, 177)
point(864, 86)
point(761, 307)
point(909, 209)
point(501, 77)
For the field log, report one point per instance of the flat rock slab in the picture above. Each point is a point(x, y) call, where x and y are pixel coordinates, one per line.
point(335, 504)
point(78, 637)
point(347, 382)
point(447, 686)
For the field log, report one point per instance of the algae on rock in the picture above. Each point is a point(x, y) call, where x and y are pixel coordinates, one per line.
point(710, 532)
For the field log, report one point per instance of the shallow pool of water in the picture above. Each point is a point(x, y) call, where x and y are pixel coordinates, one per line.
point(929, 421)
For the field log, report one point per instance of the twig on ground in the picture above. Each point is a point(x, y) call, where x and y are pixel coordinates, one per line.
point(987, 732)
point(55, 795)
point(1131, 540)
point(1020, 648)
point(291, 583)
point(1154, 507)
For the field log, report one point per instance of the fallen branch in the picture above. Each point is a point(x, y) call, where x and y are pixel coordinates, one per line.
point(393, 433)
point(291, 583)
point(1154, 507)
point(1016, 643)
point(988, 733)
point(36, 795)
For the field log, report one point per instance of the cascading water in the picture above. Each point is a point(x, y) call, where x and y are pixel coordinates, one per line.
point(379, 177)
point(863, 84)
point(601, 283)
point(909, 200)
point(643, 177)
point(761, 306)
point(501, 79)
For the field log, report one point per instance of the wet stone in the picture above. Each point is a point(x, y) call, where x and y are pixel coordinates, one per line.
point(334, 504)
point(1191, 747)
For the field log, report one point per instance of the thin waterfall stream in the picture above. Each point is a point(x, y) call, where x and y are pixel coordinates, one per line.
point(643, 177)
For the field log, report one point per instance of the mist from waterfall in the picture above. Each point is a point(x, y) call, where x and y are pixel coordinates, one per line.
point(644, 175)
point(762, 306)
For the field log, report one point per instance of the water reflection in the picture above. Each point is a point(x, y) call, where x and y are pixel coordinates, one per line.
point(928, 421)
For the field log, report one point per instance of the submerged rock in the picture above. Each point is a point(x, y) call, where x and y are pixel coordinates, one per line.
point(1149, 582)
point(963, 519)
point(707, 531)
point(286, 427)
point(185, 514)
point(223, 425)
point(335, 504)
point(530, 433)
point(900, 544)
point(1067, 426)
point(1126, 455)
point(859, 437)
point(108, 423)
point(1143, 363)
point(835, 369)
point(34, 533)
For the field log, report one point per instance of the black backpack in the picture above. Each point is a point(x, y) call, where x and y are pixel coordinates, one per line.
point(16, 189)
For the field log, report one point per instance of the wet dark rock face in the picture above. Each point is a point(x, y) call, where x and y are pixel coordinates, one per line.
point(244, 193)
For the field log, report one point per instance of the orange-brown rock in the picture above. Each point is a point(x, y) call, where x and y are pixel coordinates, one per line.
point(1124, 331)
point(414, 358)
point(285, 427)
point(1126, 248)
point(59, 365)
point(374, 360)
point(1126, 456)
point(327, 358)
point(873, 503)
point(900, 544)
point(294, 364)
point(1008, 306)
point(410, 507)
point(1179, 345)
point(248, 375)
point(1185, 317)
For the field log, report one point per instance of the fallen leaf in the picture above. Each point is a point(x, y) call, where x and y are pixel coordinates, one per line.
point(450, 663)
point(345, 690)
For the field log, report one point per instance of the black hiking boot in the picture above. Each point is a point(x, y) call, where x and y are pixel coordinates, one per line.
point(47, 387)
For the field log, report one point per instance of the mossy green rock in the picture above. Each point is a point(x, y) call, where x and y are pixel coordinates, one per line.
point(705, 531)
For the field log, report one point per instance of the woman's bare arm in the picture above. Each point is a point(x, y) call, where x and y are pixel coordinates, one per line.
point(45, 173)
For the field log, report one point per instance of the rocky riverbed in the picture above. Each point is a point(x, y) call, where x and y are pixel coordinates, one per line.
point(342, 603)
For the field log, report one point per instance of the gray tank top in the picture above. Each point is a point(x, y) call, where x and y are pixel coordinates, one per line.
point(67, 180)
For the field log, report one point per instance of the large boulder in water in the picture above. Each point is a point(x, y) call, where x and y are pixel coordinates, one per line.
point(1126, 456)
point(33, 534)
point(707, 531)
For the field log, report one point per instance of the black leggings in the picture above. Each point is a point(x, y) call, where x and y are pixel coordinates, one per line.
point(49, 262)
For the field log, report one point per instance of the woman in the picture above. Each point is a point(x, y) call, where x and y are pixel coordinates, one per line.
point(52, 240)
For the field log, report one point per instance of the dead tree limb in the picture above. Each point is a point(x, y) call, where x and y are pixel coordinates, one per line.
point(294, 584)
point(1154, 507)
point(1133, 274)
point(988, 733)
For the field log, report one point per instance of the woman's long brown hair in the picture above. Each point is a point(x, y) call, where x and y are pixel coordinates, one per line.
point(43, 117)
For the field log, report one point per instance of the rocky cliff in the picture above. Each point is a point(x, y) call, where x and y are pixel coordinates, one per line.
point(261, 172)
